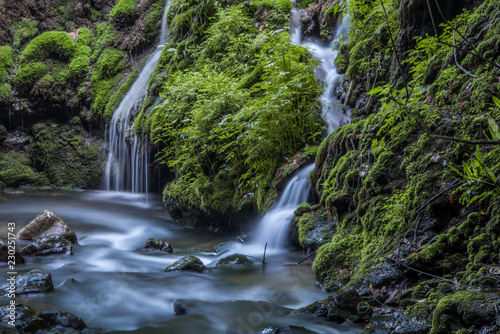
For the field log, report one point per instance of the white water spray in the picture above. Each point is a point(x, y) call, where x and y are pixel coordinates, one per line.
point(273, 227)
point(127, 162)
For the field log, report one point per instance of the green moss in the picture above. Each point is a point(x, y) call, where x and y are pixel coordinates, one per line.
point(15, 171)
point(124, 12)
point(235, 259)
point(51, 44)
point(23, 31)
point(66, 158)
point(6, 62)
point(84, 37)
point(105, 77)
point(118, 96)
point(28, 74)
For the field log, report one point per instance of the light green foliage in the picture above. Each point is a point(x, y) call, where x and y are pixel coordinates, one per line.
point(6, 63)
point(370, 53)
point(117, 97)
point(105, 77)
point(27, 74)
point(124, 11)
point(186, 17)
point(23, 30)
point(15, 171)
point(224, 139)
point(51, 44)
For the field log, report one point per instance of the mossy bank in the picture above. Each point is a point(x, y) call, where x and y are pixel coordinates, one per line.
point(412, 183)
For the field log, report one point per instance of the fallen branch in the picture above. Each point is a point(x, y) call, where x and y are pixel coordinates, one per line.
point(421, 272)
point(308, 256)
point(465, 141)
point(264, 257)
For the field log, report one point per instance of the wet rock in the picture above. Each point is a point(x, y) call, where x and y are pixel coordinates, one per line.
point(45, 224)
point(243, 238)
point(35, 325)
point(223, 246)
point(365, 311)
point(35, 281)
point(66, 320)
point(343, 306)
point(187, 263)
point(318, 309)
point(178, 308)
point(235, 259)
point(159, 244)
point(22, 313)
point(54, 244)
point(4, 253)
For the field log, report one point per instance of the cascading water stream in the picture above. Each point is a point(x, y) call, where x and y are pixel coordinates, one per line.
point(127, 161)
point(273, 227)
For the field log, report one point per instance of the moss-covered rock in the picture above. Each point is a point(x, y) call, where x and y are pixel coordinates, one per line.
point(187, 263)
point(158, 244)
point(235, 259)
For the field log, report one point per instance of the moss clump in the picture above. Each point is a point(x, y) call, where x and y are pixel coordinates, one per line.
point(15, 171)
point(23, 31)
point(28, 74)
point(6, 63)
point(124, 12)
point(235, 259)
point(66, 158)
point(105, 77)
point(51, 44)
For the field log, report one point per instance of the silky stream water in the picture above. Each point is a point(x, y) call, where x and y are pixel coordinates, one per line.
point(113, 283)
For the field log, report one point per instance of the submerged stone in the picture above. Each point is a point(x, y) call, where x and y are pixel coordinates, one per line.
point(159, 244)
point(187, 263)
point(54, 244)
point(178, 308)
point(235, 259)
point(62, 319)
point(45, 224)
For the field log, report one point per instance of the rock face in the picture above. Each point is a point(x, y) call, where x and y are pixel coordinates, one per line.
point(235, 259)
point(45, 224)
point(54, 244)
point(35, 281)
point(159, 244)
point(187, 263)
point(4, 253)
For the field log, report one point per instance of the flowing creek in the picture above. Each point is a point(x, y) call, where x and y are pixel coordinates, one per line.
point(112, 283)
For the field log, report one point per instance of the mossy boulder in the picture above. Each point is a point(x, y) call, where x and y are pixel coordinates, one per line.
point(45, 224)
point(124, 13)
point(15, 171)
point(187, 263)
point(235, 259)
point(311, 228)
point(53, 244)
point(158, 244)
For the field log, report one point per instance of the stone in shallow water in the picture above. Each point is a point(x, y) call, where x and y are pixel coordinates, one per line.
point(45, 224)
point(235, 259)
point(178, 308)
point(159, 244)
point(4, 253)
point(187, 263)
point(35, 281)
point(54, 244)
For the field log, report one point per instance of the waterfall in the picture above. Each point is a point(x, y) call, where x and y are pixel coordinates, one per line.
point(273, 227)
point(127, 161)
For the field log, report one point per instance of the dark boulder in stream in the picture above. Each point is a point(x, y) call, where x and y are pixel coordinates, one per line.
point(158, 244)
point(35, 281)
point(54, 244)
point(45, 224)
point(187, 263)
point(235, 259)
point(4, 253)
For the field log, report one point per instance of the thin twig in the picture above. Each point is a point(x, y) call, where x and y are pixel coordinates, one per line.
point(422, 272)
point(456, 59)
point(465, 141)
point(264, 257)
